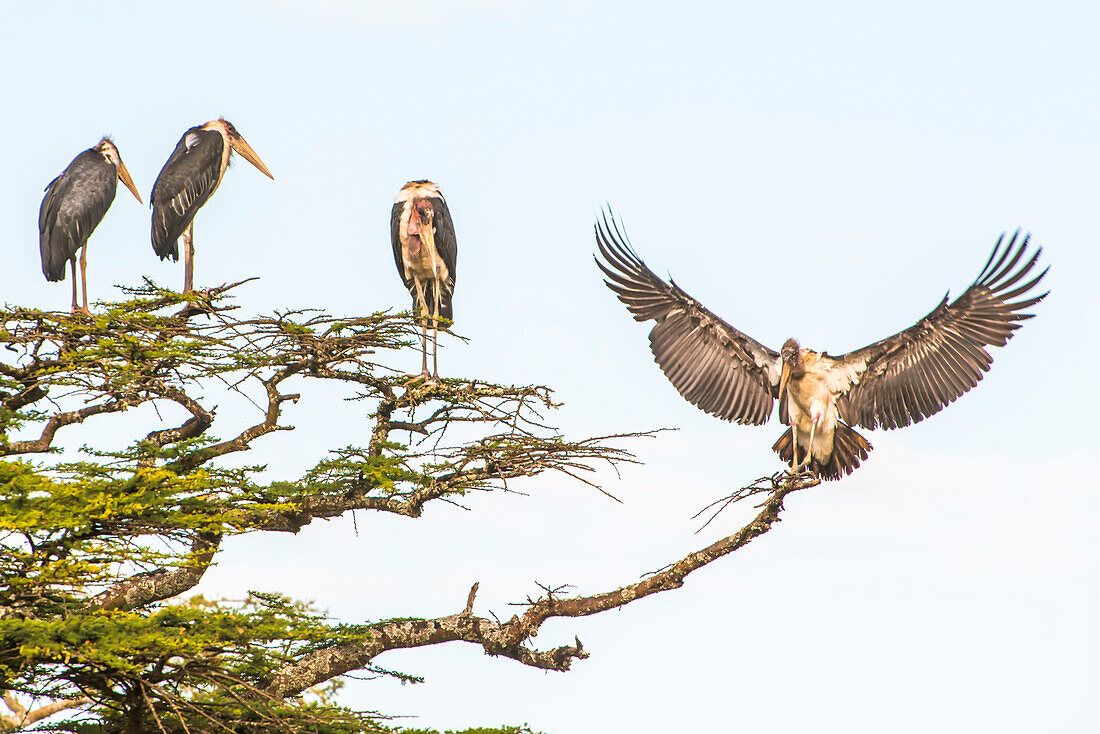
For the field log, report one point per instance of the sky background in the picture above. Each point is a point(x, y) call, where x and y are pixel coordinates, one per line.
point(818, 170)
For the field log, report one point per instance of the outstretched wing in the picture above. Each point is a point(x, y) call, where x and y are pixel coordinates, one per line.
point(713, 365)
point(916, 373)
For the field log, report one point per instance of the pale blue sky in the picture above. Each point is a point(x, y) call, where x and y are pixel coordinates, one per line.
point(817, 170)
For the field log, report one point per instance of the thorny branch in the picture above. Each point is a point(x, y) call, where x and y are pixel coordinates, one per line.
point(486, 464)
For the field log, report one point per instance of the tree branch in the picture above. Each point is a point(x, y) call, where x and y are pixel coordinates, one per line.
point(196, 425)
point(147, 587)
point(497, 459)
point(241, 441)
point(21, 716)
point(507, 638)
point(58, 421)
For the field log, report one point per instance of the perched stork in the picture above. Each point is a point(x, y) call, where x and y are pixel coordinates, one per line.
point(426, 251)
point(892, 383)
point(188, 179)
point(74, 205)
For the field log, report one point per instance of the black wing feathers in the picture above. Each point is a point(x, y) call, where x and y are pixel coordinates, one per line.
point(187, 180)
point(74, 205)
point(919, 371)
point(395, 240)
point(712, 365)
point(446, 244)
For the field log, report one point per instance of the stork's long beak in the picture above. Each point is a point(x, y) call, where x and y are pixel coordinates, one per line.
point(784, 376)
point(427, 233)
point(124, 177)
point(245, 149)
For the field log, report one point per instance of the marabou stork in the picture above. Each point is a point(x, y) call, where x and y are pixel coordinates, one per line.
point(74, 205)
point(188, 179)
point(892, 383)
point(426, 251)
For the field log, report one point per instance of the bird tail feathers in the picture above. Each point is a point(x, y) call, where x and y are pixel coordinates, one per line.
point(164, 243)
point(53, 260)
point(849, 449)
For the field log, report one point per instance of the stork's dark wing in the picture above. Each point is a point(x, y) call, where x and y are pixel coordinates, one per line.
point(395, 240)
point(183, 186)
point(74, 205)
point(446, 244)
point(916, 373)
point(713, 365)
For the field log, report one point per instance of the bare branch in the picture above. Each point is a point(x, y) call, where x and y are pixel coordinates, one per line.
point(21, 716)
point(199, 421)
point(507, 638)
point(14, 705)
point(241, 441)
point(56, 422)
point(519, 457)
point(470, 600)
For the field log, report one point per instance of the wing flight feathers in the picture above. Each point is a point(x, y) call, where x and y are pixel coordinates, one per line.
point(916, 373)
point(711, 364)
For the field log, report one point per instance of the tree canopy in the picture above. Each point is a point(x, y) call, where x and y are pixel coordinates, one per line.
point(102, 541)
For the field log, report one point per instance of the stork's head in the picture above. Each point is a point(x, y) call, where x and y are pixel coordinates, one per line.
point(237, 142)
point(424, 211)
point(422, 189)
point(791, 355)
point(107, 149)
point(790, 351)
point(418, 210)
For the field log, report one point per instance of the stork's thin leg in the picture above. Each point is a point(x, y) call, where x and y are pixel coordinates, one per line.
point(435, 332)
point(810, 448)
point(424, 348)
point(422, 309)
point(435, 349)
point(188, 255)
point(795, 463)
point(72, 262)
point(84, 276)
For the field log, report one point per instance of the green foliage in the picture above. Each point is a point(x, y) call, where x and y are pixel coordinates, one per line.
point(96, 545)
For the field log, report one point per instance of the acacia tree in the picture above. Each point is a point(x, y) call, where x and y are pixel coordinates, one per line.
point(99, 545)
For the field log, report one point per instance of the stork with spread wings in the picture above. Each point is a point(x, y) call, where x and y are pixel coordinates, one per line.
point(892, 383)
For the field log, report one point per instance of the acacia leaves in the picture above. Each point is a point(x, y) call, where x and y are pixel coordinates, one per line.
point(100, 540)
